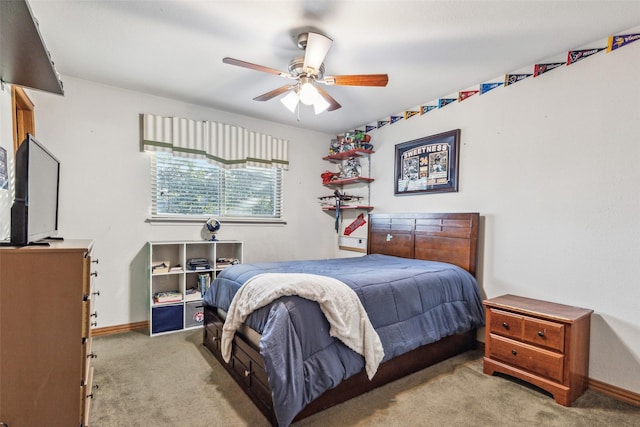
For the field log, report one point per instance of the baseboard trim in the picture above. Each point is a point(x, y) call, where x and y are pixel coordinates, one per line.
point(599, 386)
point(613, 391)
point(119, 329)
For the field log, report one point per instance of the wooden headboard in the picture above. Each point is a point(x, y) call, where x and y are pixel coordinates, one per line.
point(445, 237)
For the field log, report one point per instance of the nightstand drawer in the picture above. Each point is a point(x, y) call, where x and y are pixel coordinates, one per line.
point(506, 324)
point(544, 333)
point(538, 361)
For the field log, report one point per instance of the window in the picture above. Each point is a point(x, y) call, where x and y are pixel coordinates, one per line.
point(188, 187)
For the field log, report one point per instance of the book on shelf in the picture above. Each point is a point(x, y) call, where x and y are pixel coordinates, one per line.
point(160, 267)
point(167, 296)
point(204, 283)
point(192, 294)
point(198, 264)
point(227, 261)
point(175, 268)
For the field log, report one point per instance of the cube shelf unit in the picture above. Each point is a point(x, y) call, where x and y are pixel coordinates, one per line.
point(184, 314)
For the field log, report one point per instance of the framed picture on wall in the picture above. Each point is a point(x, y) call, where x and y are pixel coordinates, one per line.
point(428, 165)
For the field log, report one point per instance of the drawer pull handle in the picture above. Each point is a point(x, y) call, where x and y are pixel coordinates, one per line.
point(515, 353)
point(247, 373)
point(94, 274)
point(540, 333)
point(505, 325)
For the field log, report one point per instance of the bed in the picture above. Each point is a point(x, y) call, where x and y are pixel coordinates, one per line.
point(314, 370)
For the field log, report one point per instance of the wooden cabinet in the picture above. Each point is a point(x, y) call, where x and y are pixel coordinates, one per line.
point(543, 343)
point(45, 336)
point(187, 310)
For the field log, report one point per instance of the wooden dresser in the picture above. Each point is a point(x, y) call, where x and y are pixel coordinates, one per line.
point(543, 343)
point(45, 337)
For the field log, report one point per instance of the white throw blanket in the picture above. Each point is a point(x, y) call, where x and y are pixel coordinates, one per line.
point(339, 303)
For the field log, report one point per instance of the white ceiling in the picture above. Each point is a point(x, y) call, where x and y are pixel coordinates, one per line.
point(429, 48)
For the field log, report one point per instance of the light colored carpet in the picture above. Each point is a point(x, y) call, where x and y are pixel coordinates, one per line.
point(173, 380)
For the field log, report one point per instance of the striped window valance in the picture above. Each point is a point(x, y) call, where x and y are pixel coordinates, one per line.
point(226, 145)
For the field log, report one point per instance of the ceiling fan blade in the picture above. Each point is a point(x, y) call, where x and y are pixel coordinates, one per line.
point(333, 104)
point(315, 52)
point(249, 65)
point(357, 80)
point(272, 94)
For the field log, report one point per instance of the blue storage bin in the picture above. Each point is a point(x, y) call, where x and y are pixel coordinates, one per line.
point(166, 318)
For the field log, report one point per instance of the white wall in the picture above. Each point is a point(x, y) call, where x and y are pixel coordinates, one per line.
point(551, 164)
point(105, 188)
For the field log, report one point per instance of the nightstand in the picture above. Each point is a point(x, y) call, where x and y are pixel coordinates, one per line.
point(543, 343)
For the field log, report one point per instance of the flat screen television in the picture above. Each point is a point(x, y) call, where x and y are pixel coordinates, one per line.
point(34, 214)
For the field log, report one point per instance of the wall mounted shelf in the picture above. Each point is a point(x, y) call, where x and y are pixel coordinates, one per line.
point(344, 155)
point(333, 208)
point(347, 181)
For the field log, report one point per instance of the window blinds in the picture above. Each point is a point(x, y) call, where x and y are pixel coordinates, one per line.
point(194, 187)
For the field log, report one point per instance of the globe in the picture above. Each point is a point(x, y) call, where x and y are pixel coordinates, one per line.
point(213, 225)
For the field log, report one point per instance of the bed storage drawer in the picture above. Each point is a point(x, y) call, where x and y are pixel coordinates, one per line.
point(212, 335)
point(246, 362)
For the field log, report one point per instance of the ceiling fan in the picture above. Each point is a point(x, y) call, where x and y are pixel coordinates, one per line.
point(306, 72)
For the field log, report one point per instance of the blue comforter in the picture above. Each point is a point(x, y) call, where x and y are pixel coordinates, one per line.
point(409, 302)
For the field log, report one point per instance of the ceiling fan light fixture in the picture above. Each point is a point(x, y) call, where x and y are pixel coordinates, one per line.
point(320, 105)
point(290, 101)
point(306, 71)
point(308, 92)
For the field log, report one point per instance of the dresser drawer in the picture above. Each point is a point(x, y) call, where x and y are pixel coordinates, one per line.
point(86, 357)
point(87, 397)
point(544, 333)
point(536, 360)
point(506, 324)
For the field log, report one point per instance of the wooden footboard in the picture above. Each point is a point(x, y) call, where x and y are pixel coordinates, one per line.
point(247, 368)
